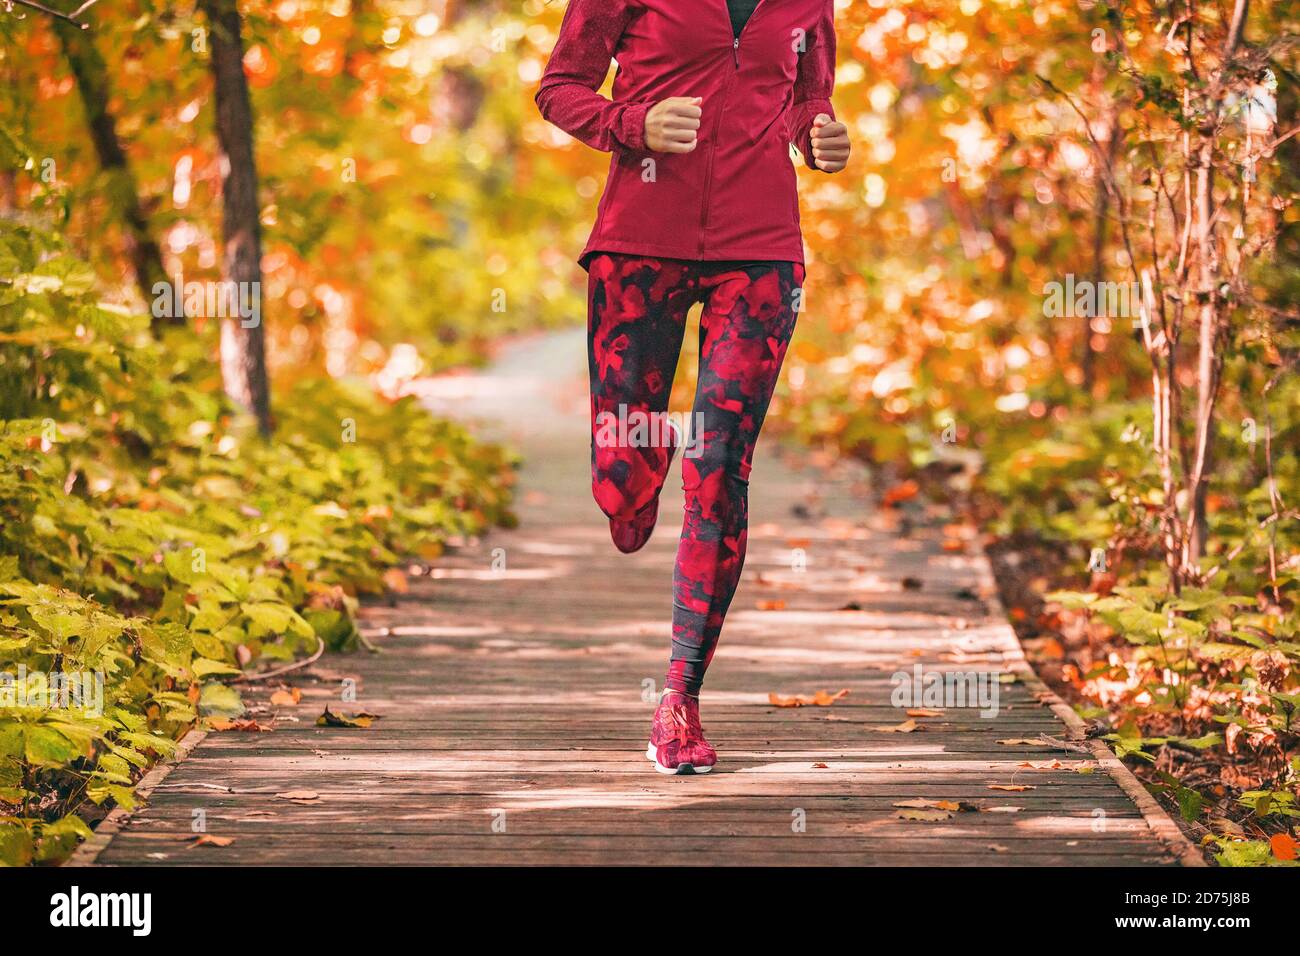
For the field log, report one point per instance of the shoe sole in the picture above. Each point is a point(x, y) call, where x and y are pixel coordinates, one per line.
point(682, 769)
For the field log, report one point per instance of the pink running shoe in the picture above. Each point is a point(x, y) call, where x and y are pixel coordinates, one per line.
point(631, 535)
point(677, 743)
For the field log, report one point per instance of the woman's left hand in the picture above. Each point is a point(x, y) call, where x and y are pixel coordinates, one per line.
point(830, 142)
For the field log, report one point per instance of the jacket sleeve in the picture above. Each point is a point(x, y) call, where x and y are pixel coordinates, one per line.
point(567, 96)
point(814, 82)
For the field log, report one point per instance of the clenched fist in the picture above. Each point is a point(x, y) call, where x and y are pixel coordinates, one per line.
point(671, 125)
point(830, 144)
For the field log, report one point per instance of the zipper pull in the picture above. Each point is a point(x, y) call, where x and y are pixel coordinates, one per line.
point(735, 51)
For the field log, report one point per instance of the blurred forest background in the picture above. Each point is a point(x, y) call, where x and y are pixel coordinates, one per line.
point(1131, 461)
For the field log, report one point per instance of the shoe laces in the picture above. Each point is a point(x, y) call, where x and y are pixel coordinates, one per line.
point(685, 723)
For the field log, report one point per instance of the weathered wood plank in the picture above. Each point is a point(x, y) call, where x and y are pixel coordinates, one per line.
point(517, 694)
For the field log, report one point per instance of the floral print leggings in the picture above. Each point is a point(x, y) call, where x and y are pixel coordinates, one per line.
point(637, 310)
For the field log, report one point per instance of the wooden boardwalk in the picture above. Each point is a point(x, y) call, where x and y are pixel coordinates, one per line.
point(515, 699)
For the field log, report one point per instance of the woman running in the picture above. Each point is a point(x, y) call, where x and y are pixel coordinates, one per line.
point(700, 206)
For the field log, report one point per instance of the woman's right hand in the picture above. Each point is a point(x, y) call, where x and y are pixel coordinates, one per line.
point(671, 125)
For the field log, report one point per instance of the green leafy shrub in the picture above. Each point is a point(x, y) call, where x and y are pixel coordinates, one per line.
point(151, 540)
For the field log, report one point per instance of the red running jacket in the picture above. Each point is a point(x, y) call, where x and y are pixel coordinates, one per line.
point(733, 196)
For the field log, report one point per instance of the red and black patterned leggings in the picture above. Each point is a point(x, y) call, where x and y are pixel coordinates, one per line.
point(636, 320)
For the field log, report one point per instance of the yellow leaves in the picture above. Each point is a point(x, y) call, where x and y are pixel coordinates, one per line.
point(819, 699)
point(395, 580)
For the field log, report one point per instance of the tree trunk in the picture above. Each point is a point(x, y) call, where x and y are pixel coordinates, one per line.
point(91, 75)
point(243, 344)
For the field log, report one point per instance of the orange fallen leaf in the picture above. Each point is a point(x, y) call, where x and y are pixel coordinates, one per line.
point(924, 712)
point(1013, 787)
point(772, 604)
point(1043, 765)
point(906, 727)
point(1283, 846)
point(820, 699)
point(901, 492)
point(820, 766)
point(395, 580)
point(286, 698)
point(954, 544)
point(207, 839)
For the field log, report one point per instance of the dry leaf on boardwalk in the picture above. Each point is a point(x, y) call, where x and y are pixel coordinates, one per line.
point(820, 766)
point(1025, 742)
point(1012, 787)
point(207, 839)
point(332, 719)
point(820, 699)
point(1043, 765)
point(906, 727)
point(395, 581)
point(924, 816)
point(299, 796)
point(286, 698)
point(772, 604)
point(954, 805)
point(243, 724)
point(924, 712)
point(997, 848)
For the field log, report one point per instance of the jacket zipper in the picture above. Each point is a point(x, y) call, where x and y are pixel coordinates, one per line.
point(708, 169)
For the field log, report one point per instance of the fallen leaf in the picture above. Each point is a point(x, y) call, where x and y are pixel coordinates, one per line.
point(772, 604)
point(286, 698)
point(952, 805)
point(953, 544)
point(924, 712)
point(1012, 787)
point(820, 699)
point(900, 493)
point(1283, 846)
point(299, 796)
point(395, 580)
point(207, 839)
point(1043, 765)
point(906, 727)
point(242, 724)
point(924, 816)
point(997, 848)
point(1025, 742)
point(820, 766)
point(331, 719)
